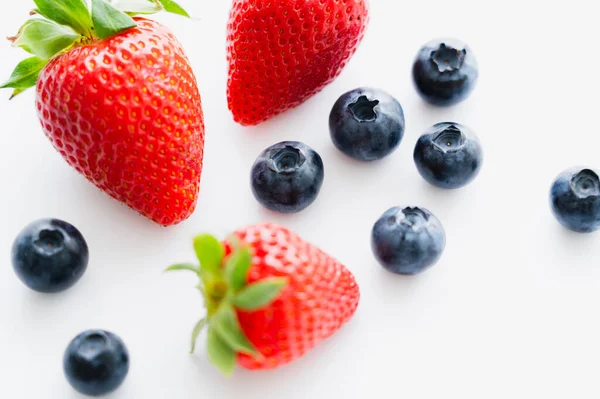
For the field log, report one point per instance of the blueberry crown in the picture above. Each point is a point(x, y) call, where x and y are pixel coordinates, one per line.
point(586, 184)
point(363, 109)
point(451, 138)
point(447, 58)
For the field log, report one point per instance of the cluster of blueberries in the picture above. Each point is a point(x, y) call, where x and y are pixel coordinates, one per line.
point(50, 255)
point(368, 125)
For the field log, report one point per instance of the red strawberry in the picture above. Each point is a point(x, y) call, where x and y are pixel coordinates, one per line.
point(271, 299)
point(121, 105)
point(281, 53)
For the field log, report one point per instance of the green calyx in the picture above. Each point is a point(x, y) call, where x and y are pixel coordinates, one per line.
point(225, 288)
point(56, 26)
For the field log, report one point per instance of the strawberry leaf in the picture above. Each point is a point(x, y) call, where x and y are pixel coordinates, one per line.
point(234, 242)
point(184, 266)
point(210, 253)
point(219, 353)
point(172, 7)
point(73, 13)
point(44, 38)
point(226, 324)
point(25, 75)
point(196, 332)
point(16, 92)
point(200, 287)
point(236, 268)
point(260, 294)
point(108, 21)
point(134, 7)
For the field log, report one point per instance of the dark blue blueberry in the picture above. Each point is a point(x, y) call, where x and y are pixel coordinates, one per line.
point(96, 362)
point(50, 255)
point(575, 199)
point(287, 177)
point(445, 72)
point(408, 240)
point(367, 124)
point(448, 155)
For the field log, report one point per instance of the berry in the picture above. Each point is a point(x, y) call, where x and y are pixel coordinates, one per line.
point(367, 124)
point(445, 72)
point(270, 296)
point(50, 255)
point(575, 199)
point(96, 362)
point(280, 53)
point(123, 108)
point(448, 155)
point(287, 177)
point(408, 240)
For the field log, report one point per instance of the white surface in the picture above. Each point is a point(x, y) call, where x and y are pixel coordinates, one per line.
point(511, 311)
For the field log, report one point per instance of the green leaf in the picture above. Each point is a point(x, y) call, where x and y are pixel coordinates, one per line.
point(45, 38)
point(184, 266)
point(16, 92)
point(210, 253)
point(219, 353)
point(236, 268)
point(196, 332)
point(134, 7)
point(226, 324)
point(25, 75)
point(108, 21)
point(200, 287)
point(73, 13)
point(172, 7)
point(259, 294)
point(234, 242)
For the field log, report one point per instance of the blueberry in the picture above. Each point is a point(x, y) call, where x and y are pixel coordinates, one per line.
point(408, 240)
point(445, 72)
point(448, 155)
point(96, 362)
point(575, 199)
point(49, 255)
point(367, 124)
point(287, 177)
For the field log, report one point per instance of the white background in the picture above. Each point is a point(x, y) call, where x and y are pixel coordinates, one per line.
point(512, 309)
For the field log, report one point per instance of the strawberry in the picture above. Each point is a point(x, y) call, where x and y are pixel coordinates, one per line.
point(280, 53)
point(270, 297)
point(118, 100)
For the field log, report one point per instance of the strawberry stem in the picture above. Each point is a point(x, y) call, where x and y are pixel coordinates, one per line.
point(57, 26)
point(227, 290)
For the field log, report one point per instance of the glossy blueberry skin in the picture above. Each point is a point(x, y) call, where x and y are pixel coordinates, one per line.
point(96, 362)
point(575, 199)
point(445, 72)
point(50, 255)
point(448, 155)
point(408, 240)
point(367, 124)
point(287, 177)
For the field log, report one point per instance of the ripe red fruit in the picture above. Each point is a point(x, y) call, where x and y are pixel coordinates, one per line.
point(282, 295)
point(280, 53)
point(125, 112)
